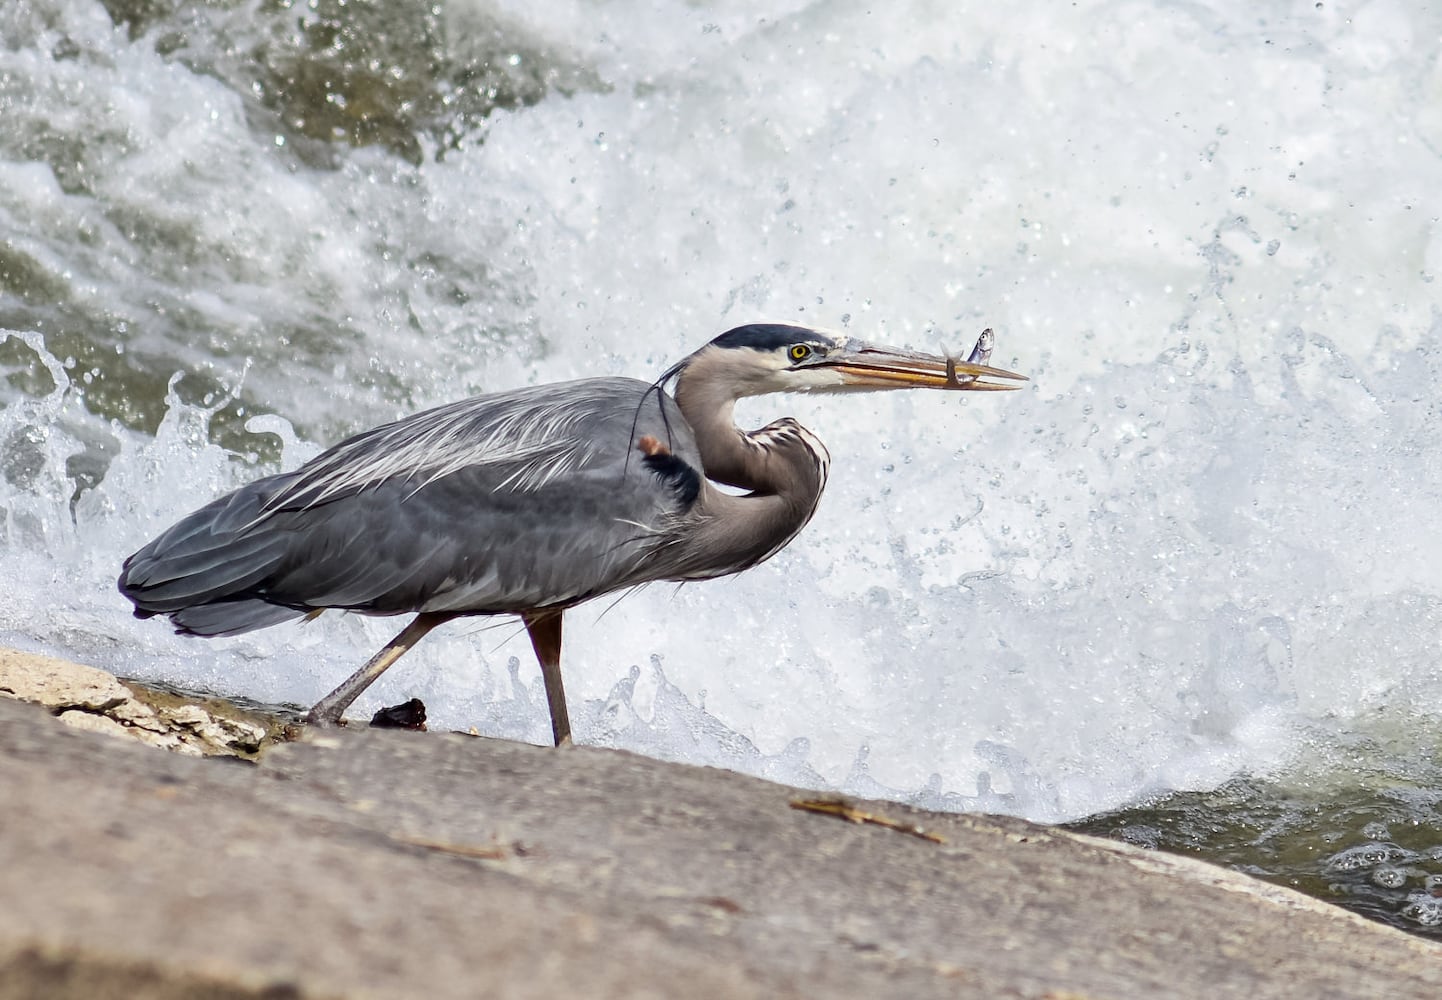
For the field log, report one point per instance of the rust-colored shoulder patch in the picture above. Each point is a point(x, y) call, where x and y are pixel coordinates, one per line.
point(651, 447)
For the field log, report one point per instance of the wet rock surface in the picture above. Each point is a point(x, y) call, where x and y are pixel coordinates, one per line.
point(386, 863)
point(93, 700)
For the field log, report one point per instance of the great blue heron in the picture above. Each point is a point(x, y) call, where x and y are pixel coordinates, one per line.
point(528, 502)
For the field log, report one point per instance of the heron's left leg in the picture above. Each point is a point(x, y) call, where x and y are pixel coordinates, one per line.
point(545, 629)
point(328, 710)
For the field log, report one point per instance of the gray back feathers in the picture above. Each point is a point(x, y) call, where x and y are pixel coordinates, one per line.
point(530, 436)
point(519, 500)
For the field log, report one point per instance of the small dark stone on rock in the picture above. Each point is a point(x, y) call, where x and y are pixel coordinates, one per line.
point(408, 715)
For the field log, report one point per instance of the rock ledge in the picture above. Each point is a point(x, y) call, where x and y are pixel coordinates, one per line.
point(374, 863)
point(91, 699)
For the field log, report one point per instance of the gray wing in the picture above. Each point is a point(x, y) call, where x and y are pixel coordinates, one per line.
point(515, 501)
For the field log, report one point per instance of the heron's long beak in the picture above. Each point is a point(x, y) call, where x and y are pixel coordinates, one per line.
point(866, 366)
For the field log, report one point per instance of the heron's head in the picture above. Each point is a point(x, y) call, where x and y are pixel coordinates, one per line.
point(774, 357)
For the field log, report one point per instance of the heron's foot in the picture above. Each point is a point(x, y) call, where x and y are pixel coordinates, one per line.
point(323, 719)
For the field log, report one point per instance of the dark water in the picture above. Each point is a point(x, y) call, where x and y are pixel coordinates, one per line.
point(1375, 851)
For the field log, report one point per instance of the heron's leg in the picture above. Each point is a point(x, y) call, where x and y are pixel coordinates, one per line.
point(545, 629)
point(328, 710)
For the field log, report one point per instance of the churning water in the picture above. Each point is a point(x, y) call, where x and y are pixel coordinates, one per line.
point(1199, 552)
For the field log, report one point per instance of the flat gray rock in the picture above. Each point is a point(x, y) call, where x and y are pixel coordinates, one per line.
point(386, 863)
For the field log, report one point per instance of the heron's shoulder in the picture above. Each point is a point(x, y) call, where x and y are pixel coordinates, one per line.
point(585, 397)
point(602, 408)
point(597, 386)
point(521, 439)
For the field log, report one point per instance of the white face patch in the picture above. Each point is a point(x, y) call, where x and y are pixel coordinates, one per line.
point(773, 371)
point(819, 379)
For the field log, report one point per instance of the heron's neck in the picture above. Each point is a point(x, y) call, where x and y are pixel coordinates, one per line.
point(726, 454)
point(782, 459)
point(709, 406)
point(782, 464)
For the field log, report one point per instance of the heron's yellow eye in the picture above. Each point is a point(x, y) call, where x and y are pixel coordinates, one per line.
point(799, 352)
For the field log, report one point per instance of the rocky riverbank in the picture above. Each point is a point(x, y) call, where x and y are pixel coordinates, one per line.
point(382, 863)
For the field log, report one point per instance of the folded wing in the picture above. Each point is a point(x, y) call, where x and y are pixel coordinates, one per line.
point(515, 501)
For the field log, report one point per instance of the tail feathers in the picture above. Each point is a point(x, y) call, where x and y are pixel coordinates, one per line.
point(231, 617)
point(165, 580)
point(208, 580)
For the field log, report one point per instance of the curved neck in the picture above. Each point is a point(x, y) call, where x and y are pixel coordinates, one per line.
point(727, 456)
point(782, 464)
point(782, 459)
